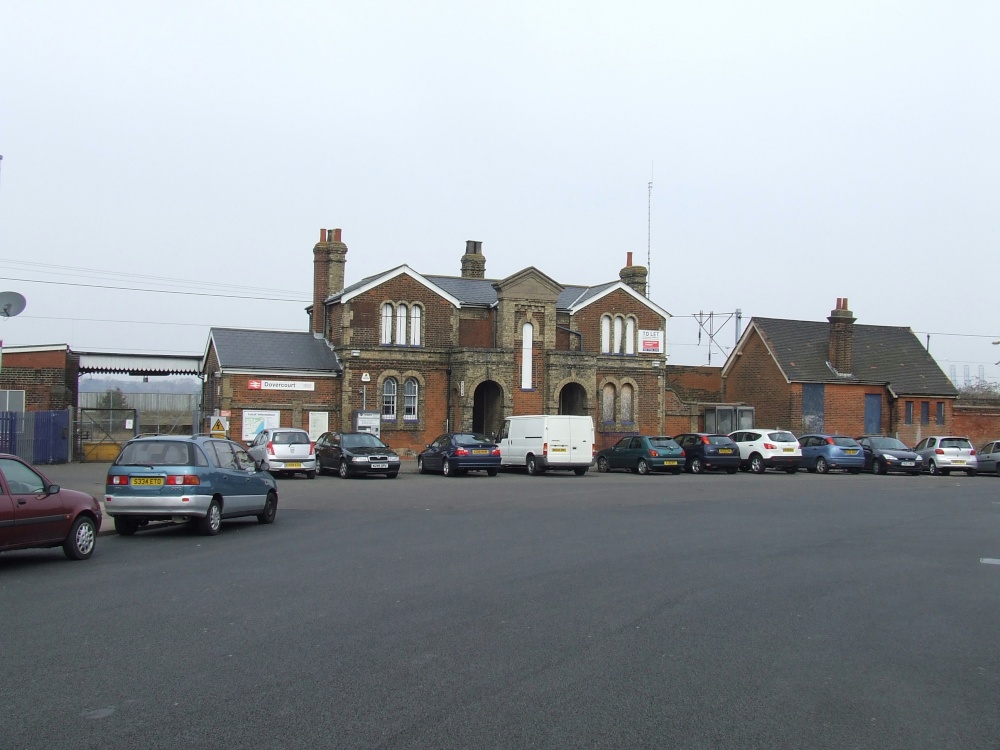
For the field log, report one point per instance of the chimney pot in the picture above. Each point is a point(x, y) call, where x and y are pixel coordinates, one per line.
point(628, 258)
point(336, 235)
point(322, 235)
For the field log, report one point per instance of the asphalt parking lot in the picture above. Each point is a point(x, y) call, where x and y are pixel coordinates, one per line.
point(609, 610)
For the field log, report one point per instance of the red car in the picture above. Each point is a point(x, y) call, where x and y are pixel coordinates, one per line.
point(36, 513)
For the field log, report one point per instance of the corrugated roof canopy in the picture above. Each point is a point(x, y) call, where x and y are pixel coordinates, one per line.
point(139, 364)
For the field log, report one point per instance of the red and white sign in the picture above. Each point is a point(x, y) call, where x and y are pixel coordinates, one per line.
point(281, 385)
point(652, 342)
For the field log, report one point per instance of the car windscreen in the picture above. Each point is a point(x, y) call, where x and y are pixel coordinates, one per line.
point(960, 443)
point(782, 437)
point(845, 442)
point(720, 440)
point(362, 441)
point(663, 442)
point(160, 453)
point(290, 438)
point(889, 444)
point(470, 439)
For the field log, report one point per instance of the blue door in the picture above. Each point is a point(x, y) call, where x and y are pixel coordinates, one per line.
point(873, 414)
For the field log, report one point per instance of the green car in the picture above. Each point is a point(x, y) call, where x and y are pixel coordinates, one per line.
point(642, 454)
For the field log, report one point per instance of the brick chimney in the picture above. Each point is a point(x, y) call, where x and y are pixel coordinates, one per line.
point(473, 262)
point(329, 257)
point(634, 276)
point(842, 337)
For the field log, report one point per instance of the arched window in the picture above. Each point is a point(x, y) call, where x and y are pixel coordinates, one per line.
point(410, 391)
point(526, 349)
point(630, 335)
point(617, 349)
point(401, 325)
point(386, 337)
point(389, 399)
point(605, 334)
point(628, 408)
point(608, 403)
point(415, 325)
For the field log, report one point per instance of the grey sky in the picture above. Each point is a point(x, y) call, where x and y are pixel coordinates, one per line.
point(800, 152)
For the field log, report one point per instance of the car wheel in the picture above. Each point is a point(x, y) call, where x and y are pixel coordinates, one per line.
point(604, 467)
point(822, 466)
point(756, 464)
point(971, 472)
point(532, 465)
point(879, 467)
point(126, 526)
point(344, 471)
point(310, 475)
point(854, 471)
point(792, 470)
point(270, 509)
point(932, 467)
point(448, 469)
point(642, 467)
point(212, 522)
point(732, 470)
point(421, 469)
point(695, 466)
point(82, 539)
point(676, 472)
point(491, 472)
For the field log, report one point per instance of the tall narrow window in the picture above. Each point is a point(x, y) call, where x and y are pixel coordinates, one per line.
point(386, 337)
point(628, 416)
point(940, 412)
point(605, 334)
point(908, 417)
point(410, 400)
point(630, 335)
point(415, 325)
point(925, 412)
point(389, 399)
point(617, 347)
point(608, 403)
point(526, 350)
point(401, 325)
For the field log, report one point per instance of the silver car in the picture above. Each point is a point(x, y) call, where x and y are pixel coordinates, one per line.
point(284, 450)
point(943, 454)
point(988, 458)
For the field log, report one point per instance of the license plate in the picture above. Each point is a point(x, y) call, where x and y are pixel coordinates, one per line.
point(788, 450)
point(146, 481)
point(725, 450)
point(851, 451)
point(476, 452)
point(558, 450)
point(293, 465)
point(907, 463)
point(380, 466)
point(669, 463)
point(959, 461)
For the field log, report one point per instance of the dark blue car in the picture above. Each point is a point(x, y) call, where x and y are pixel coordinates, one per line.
point(457, 453)
point(703, 452)
point(821, 453)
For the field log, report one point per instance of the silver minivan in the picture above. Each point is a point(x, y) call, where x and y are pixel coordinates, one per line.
point(943, 454)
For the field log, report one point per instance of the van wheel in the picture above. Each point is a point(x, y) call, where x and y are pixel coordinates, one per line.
point(580, 470)
point(532, 465)
point(212, 522)
point(126, 526)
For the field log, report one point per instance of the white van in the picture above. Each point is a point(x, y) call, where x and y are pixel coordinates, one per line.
point(543, 442)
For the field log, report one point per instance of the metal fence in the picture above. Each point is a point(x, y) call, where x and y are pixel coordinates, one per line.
point(41, 437)
point(162, 413)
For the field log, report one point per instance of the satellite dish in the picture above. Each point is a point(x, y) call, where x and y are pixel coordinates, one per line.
point(11, 304)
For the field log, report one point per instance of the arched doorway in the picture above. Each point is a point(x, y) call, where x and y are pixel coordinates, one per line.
point(487, 408)
point(573, 400)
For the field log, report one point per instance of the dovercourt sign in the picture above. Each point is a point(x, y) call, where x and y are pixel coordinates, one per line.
point(281, 385)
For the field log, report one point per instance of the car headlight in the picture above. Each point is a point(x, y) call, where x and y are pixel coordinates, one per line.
point(889, 457)
point(393, 458)
point(359, 459)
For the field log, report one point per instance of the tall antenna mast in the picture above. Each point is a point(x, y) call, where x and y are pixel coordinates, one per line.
point(649, 225)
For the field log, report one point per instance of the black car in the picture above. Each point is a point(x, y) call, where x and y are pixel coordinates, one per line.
point(456, 453)
point(642, 454)
point(885, 454)
point(355, 453)
point(703, 451)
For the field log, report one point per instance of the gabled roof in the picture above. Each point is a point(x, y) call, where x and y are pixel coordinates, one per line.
point(271, 351)
point(404, 270)
point(595, 293)
point(889, 355)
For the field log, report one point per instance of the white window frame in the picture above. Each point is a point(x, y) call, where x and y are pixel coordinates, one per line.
point(527, 344)
point(389, 390)
point(630, 335)
point(387, 316)
point(401, 313)
point(411, 393)
point(415, 316)
point(605, 334)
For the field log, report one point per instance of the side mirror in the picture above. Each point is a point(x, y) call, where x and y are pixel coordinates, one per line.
point(52, 489)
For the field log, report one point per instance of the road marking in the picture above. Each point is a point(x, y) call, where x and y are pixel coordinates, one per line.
point(989, 560)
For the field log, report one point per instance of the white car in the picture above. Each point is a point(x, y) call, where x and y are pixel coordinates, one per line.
point(284, 450)
point(943, 454)
point(763, 449)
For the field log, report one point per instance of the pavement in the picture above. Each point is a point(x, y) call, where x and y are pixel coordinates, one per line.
point(89, 478)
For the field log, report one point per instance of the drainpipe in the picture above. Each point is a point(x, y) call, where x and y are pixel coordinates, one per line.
point(447, 419)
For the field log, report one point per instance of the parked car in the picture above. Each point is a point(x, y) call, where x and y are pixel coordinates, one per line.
point(186, 478)
point(456, 453)
point(943, 454)
point(767, 449)
point(885, 454)
point(821, 453)
point(355, 453)
point(36, 513)
point(284, 450)
point(988, 458)
point(703, 451)
point(642, 454)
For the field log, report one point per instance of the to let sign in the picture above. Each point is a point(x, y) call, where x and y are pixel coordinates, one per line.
point(280, 385)
point(651, 342)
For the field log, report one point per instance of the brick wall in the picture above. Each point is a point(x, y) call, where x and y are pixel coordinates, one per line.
point(981, 424)
point(294, 406)
point(364, 318)
point(913, 433)
point(475, 329)
point(49, 379)
point(588, 320)
point(756, 380)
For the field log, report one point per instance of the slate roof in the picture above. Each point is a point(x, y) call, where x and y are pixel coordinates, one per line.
point(891, 355)
point(272, 351)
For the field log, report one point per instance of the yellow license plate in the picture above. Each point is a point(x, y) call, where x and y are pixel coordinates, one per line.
point(669, 463)
point(789, 450)
point(725, 450)
point(293, 465)
point(146, 481)
point(851, 451)
point(558, 450)
point(959, 461)
point(477, 452)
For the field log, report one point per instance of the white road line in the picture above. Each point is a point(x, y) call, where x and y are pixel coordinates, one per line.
point(989, 560)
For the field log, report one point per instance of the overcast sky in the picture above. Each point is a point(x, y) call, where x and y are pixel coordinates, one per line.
point(799, 152)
